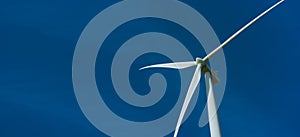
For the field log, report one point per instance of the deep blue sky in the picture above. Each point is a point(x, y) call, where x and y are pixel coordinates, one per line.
point(38, 38)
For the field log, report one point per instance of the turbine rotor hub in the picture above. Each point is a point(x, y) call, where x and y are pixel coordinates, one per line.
point(199, 60)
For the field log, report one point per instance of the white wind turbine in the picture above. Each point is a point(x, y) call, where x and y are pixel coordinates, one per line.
point(210, 79)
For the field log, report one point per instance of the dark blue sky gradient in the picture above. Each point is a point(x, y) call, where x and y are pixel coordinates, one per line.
point(38, 38)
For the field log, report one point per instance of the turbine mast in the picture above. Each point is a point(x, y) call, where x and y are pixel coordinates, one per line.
point(214, 125)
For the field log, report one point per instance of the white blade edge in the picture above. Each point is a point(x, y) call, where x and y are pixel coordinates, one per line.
point(239, 31)
point(190, 92)
point(176, 65)
point(214, 125)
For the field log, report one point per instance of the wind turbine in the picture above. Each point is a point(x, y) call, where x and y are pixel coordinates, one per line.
point(210, 79)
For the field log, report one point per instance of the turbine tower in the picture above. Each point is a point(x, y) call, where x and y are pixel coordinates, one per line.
point(210, 79)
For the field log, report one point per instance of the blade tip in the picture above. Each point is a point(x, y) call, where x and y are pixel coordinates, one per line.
point(281, 1)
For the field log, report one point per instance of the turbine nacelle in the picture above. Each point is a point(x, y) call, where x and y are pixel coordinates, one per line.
point(205, 68)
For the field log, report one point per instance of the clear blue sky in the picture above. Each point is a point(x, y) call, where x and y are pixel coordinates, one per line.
point(38, 38)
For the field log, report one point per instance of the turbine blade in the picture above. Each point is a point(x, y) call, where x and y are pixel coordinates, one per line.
point(190, 92)
point(239, 31)
point(176, 65)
